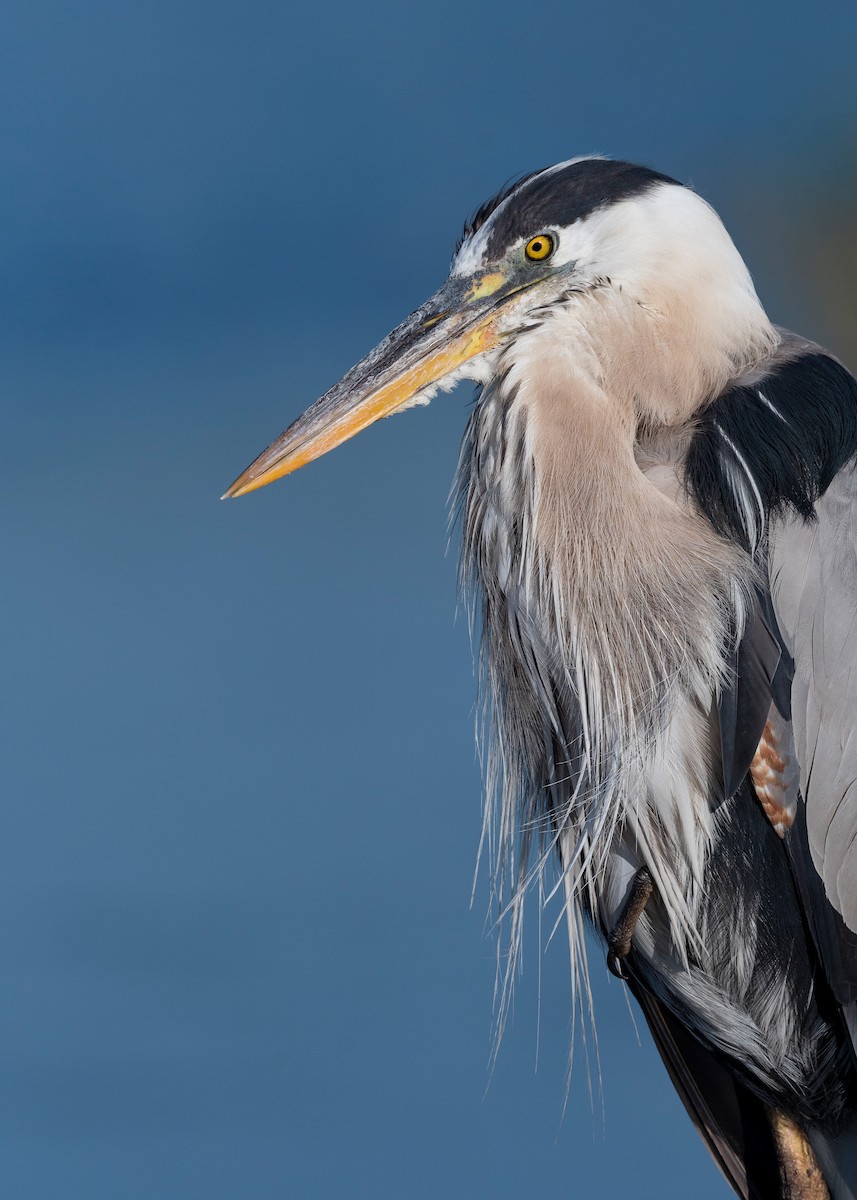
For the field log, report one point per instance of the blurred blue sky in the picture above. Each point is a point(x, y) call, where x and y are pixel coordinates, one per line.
point(241, 805)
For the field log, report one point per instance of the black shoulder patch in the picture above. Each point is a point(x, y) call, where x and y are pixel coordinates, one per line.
point(560, 197)
point(776, 443)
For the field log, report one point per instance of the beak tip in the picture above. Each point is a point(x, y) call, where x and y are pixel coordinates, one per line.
point(243, 484)
point(240, 486)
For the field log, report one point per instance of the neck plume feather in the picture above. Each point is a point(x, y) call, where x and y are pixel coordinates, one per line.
point(605, 603)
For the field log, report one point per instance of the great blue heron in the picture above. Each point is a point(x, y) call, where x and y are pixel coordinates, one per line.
point(657, 489)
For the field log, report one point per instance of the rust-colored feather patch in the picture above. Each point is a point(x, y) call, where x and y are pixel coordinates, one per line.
point(770, 772)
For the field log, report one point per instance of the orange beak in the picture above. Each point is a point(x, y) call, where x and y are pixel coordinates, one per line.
point(457, 324)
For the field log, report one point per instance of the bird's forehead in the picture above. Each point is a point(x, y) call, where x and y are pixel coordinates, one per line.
point(551, 198)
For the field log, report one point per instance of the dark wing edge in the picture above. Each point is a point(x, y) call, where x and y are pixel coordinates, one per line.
point(730, 1120)
point(813, 580)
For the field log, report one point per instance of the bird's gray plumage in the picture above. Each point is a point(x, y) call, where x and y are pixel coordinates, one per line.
point(576, 753)
point(813, 570)
point(657, 498)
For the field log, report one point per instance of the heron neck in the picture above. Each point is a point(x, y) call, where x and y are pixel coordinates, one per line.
point(611, 563)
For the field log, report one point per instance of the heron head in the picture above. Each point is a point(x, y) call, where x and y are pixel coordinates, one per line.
point(559, 232)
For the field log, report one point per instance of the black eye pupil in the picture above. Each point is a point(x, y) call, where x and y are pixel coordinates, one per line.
point(537, 247)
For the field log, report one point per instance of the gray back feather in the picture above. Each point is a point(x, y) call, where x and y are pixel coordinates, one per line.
point(813, 572)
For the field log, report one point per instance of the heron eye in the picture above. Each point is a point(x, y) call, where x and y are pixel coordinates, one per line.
point(539, 247)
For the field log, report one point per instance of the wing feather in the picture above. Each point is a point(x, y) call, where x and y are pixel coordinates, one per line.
point(793, 420)
point(730, 1120)
point(813, 569)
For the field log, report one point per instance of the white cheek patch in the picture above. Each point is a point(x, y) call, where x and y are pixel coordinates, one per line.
point(575, 245)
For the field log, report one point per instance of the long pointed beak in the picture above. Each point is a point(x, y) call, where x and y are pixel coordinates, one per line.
point(458, 323)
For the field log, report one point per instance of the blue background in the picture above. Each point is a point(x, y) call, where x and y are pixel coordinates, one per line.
point(241, 804)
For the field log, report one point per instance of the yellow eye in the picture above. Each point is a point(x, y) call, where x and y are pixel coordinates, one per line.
point(539, 247)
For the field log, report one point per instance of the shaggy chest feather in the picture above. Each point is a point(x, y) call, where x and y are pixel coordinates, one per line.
point(602, 699)
point(605, 633)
